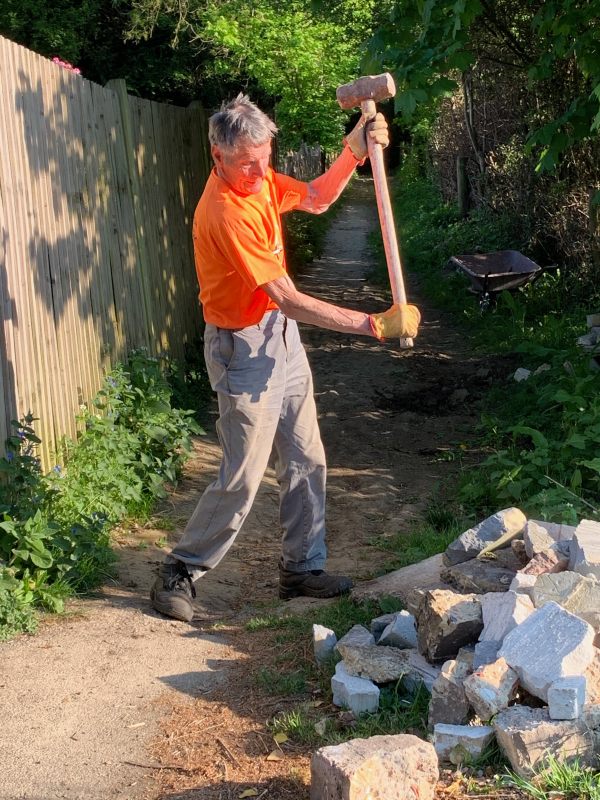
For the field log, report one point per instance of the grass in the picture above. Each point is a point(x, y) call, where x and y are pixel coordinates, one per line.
point(558, 781)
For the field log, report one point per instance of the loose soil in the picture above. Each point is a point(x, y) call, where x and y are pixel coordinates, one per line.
point(113, 701)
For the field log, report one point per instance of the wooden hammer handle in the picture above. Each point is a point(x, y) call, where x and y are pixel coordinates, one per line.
point(386, 217)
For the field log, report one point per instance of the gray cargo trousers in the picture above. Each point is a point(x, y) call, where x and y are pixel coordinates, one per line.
point(265, 393)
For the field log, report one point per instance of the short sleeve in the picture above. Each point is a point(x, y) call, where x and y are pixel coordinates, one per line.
point(290, 192)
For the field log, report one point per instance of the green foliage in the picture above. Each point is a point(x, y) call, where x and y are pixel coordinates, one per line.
point(542, 436)
point(544, 440)
point(428, 45)
point(570, 781)
point(55, 528)
point(295, 54)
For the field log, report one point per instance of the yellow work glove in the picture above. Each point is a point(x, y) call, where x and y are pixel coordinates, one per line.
point(376, 129)
point(401, 321)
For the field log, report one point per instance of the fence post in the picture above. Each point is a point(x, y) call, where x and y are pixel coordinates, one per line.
point(196, 107)
point(119, 86)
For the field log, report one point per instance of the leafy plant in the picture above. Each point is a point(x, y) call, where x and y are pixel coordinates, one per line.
point(571, 780)
point(55, 528)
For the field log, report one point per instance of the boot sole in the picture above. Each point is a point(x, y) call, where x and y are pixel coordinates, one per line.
point(287, 593)
point(182, 613)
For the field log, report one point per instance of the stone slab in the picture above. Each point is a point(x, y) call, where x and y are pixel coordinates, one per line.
point(357, 635)
point(449, 702)
point(401, 632)
point(446, 621)
point(566, 697)
point(491, 688)
point(458, 744)
point(406, 584)
point(527, 736)
point(504, 525)
point(502, 612)
point(479, 576)
point(577, 593)
point(585, 556)
point(324, 640)
point(377, 768)
point(550, 644)
point(378, 664)
point(357, 694)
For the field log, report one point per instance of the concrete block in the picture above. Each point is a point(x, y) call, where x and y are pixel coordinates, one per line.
point(449, 702)
point(578, 594)
point(523, 584)
point(506, 524)
point(446, 621)
point(491, 688)
point(379, 624)
point(536, 538)
point(324, 640)
point(485, 653)
point(458, 744)
point(566, 697)
point(379, 664)
point(550, 560)
point(357, 635)
point(550, 644)
point(357, 694)
point(377, 768)
point(419, 672)
point(527, 736)
point(585, 555)
point(401, 632)
point(503, 611)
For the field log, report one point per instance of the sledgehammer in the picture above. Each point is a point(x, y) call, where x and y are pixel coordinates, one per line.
point(366, 92)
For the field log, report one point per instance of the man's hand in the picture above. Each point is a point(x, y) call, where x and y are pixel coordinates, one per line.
point(401, 321)
point(376, 129)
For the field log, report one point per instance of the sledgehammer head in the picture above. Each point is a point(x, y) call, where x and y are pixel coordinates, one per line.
point(369, 87)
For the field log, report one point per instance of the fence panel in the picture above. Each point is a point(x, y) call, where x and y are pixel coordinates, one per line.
point(97, 194)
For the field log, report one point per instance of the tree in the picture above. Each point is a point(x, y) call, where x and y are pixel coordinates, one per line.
point(430, 44)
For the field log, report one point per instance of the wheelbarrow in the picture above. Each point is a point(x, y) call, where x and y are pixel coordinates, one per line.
point(492, 273)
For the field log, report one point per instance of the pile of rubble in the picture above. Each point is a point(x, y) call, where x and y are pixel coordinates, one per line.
point(513, 655)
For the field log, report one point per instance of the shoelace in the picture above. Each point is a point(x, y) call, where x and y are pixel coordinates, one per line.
point(179, 581)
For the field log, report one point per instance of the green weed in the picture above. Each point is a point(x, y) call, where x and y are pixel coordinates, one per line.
point(55, 527)
point(570, 781)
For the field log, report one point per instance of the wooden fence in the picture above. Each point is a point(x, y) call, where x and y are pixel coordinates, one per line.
point(97, 194)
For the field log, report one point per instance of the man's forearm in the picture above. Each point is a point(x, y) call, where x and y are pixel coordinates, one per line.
point(304, 308)
point(326, 189)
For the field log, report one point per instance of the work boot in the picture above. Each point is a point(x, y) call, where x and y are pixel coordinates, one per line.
point(173, 592)
point(314, 583)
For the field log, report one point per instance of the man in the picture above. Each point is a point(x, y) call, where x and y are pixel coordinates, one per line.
point(254, 357)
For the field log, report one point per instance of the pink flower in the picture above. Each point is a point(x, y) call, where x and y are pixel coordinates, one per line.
point(66, 65)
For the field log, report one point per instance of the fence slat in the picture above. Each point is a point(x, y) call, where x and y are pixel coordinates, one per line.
point(97, 195)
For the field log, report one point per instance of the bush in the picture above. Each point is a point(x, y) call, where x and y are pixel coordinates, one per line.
point(55, 527)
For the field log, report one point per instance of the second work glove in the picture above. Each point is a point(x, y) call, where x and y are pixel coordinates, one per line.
point(401, 321)
point(376, 130)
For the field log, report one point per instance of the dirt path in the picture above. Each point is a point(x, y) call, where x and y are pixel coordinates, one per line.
point(81, 701)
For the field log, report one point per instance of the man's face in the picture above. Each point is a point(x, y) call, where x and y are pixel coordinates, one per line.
point(244, 167)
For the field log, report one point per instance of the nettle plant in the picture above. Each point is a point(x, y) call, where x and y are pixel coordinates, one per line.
point(55, 527)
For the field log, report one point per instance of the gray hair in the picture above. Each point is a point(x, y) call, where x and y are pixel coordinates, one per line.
point(240, 119)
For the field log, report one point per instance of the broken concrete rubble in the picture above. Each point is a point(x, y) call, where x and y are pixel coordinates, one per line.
point(578, 594)
point(381, 767)
point(401, 632)
point(505, 525)
point(550, 560)
point(357, 694)
point(485, 652)
point(480, 577)
point(527, 736)
point(566, 697)
point(536, 538)
point(491, 688)
point(550, 644)
point(357, 635)
point(449, 702)
point(324, 640)
point(458, 744)
point(585, 556)
point(445, 622)
point(503, 612)
point(379, 624)
point(379, 664)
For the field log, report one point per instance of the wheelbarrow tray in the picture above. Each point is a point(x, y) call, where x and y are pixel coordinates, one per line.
point(496, 272)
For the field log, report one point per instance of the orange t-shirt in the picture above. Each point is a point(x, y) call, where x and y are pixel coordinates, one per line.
point(238, 246)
